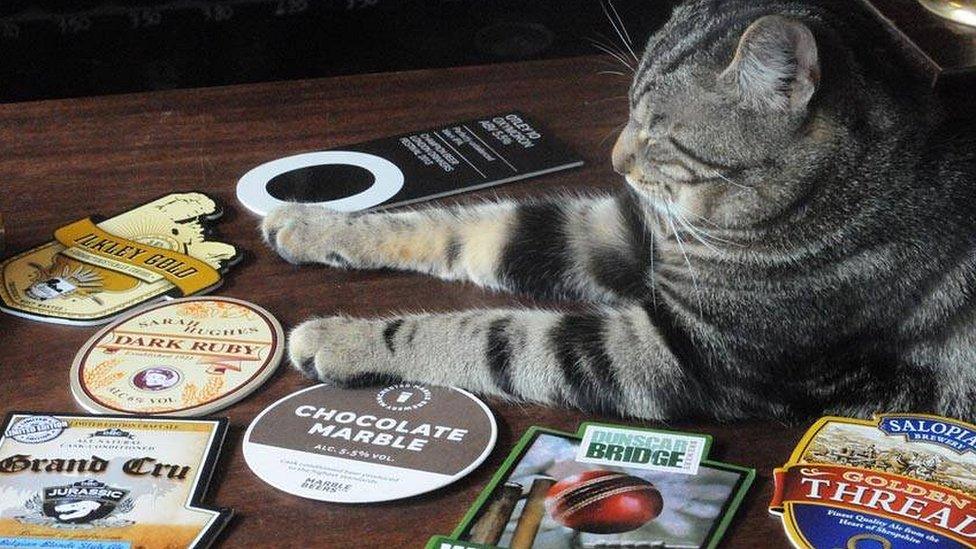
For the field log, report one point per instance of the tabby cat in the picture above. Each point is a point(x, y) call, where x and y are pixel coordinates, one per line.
point(796, 236)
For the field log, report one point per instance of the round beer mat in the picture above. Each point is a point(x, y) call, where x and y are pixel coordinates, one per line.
point(369, 445)
point(186, 357)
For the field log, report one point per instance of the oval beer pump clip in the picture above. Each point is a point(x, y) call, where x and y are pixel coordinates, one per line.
point(369, 445)
point(344, 181)
point(180, 358)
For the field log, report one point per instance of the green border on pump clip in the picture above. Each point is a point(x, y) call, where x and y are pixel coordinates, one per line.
point(732, 505)
point(444, 542)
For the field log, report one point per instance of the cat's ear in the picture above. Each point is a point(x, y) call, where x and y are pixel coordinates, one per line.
point(775, 65)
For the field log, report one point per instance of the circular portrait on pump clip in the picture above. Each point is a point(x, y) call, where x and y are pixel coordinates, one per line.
point(156, 378)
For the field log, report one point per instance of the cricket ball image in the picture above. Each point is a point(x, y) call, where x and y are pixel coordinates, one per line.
point(603, 502)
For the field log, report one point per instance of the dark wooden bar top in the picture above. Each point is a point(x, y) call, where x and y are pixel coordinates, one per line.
point(67, 159)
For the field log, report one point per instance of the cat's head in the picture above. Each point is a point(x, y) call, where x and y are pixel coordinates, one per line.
point(731, 107)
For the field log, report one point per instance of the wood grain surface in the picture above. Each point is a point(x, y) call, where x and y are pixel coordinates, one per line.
point(64, 160)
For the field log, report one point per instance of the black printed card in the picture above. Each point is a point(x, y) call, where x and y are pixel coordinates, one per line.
point(411, 167)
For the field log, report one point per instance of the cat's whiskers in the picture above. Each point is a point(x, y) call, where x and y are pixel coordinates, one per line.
point(612, 131)
point(681, 246)
point(644, 235)
point(653, 277)
point(612, 53)
point(698, 233)
point(694, 233)
point(605, 99)
point(728, 180)
point(621, 29)
point(612, 67)
point(686, 211)
point(612, 44)
point(704, 232)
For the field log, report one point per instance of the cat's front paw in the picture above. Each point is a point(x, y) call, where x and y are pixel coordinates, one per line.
point(302, 233)
point(336, 350)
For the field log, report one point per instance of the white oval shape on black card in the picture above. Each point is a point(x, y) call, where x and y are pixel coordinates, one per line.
point(369, 445)
point(284, 180)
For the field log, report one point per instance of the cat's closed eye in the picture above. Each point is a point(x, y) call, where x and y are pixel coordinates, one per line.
point(653, 120)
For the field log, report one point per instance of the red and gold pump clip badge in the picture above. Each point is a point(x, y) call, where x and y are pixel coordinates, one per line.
point(92, 272)
point(897, 481)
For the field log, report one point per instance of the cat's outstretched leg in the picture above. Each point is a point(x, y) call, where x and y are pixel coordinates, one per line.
point(612, 362)
point(593, 249)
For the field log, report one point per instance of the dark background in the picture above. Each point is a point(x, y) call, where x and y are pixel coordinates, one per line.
point(63, 160)
point(53, 49)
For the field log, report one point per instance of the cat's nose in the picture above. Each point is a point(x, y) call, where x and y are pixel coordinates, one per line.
point(624, 151)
